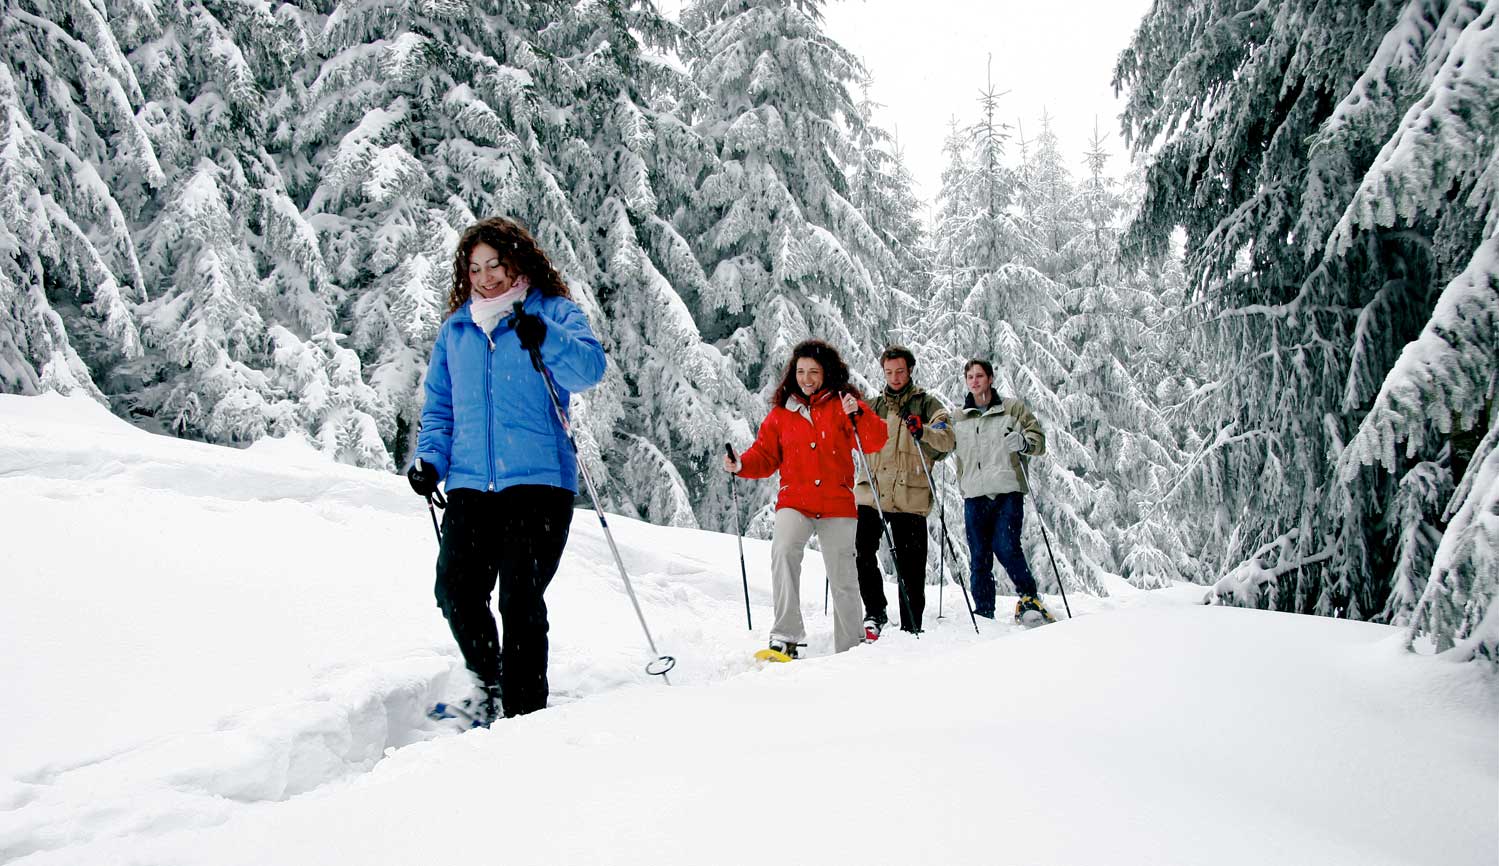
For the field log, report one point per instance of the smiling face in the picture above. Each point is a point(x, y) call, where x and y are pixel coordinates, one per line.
point(977, 380)
point(808, 376)
point(897, 373)
point(487, 275)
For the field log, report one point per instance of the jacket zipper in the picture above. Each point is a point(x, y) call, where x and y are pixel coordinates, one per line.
point(979, 460)
point(489, 410)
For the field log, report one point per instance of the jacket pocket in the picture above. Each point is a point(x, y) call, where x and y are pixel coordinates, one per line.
point(912, 496)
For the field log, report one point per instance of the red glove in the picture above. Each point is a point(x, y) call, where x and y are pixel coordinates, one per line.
point(913, 424)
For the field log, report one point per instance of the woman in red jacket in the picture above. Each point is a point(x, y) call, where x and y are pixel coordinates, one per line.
point(809, 437)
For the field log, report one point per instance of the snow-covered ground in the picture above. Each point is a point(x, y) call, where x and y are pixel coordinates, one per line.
point(211, 656)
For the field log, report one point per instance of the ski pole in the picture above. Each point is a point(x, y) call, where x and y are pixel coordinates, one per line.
point(663, 663)
point(1041, 523)
point(942, 522)
point(863, 462)
point(743, 571)
point(441, 503)
point(941, 576)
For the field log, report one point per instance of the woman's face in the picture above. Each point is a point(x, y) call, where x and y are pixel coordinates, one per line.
point(977, 380)
point(808, 376)
point(487, 275)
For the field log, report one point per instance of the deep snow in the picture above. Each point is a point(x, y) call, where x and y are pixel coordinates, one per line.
point(222, 656)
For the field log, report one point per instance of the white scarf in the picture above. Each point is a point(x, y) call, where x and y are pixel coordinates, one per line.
point(487, 311)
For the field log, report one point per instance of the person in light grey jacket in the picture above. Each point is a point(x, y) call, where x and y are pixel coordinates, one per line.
point(994, 438)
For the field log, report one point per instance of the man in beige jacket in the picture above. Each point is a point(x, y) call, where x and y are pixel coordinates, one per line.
point(916, 420)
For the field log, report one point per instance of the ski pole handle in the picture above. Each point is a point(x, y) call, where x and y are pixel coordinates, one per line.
point(435, 495)
point(729, 450)
point(517, 311)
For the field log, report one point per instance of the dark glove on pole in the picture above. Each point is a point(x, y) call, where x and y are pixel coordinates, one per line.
point(423, 479)
point(531, 329)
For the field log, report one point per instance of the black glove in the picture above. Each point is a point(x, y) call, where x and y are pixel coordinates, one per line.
point(423, 479)
point(531, 329)
point(913, 424)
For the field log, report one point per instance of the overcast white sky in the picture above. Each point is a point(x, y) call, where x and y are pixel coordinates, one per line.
point(928, 63)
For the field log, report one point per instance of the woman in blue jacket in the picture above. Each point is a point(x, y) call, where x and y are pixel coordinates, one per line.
point(490, 432)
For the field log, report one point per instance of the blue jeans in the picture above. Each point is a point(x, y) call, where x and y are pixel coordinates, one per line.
point(994, 532)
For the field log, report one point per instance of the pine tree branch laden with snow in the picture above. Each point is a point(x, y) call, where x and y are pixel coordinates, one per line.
point(1329, 167)
point(1444, 382)
point(1459, 610)
point(65, 228)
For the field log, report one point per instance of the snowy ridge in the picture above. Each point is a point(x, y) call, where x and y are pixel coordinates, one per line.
point(168, 747)
point(192, 779)
point(221, 656)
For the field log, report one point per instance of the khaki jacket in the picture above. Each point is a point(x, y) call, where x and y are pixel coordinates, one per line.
point(897, 467)
point(984, 466)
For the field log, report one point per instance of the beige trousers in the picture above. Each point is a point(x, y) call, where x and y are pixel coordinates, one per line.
point(793, 530)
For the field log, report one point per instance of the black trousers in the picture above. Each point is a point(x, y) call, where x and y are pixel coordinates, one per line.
point(514, 536)
point(909, 533)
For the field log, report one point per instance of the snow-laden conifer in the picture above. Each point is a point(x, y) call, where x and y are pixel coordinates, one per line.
point(629, 164)
point(789, 255)
point(75, 158)
point(1333, 174)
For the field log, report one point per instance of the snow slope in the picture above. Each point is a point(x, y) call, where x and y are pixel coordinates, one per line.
point(222, 656)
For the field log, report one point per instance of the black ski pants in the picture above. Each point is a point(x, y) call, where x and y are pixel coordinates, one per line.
point(515, 536)
point(909, 532)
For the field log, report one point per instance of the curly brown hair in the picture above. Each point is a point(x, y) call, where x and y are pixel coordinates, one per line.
point(520, 254)
point(834, 372)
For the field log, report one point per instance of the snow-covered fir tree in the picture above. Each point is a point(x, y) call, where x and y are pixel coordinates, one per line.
point(1049, 200)
point(1075, 495)
point(993, 299)
point(406, 125)
point(881, 187)
point(1332, 167)
point(241, 325)
point(773, 223)
point(953, 331)
point(1127, 369)
point(209, 207)
point(788, 254)
point(629, 164)
point(75, 162)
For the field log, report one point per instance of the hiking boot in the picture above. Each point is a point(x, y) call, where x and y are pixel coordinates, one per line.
point(872, 629)
point(1029, 611)
point(785, 648)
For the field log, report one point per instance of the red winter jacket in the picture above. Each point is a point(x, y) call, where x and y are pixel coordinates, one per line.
point(813, 449)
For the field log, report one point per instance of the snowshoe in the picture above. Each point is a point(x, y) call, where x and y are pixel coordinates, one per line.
point(479, 710)
point(872, 629)
point(1030, 612)
point(778, 651)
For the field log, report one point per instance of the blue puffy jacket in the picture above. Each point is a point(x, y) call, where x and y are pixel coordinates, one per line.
point(488, 423)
